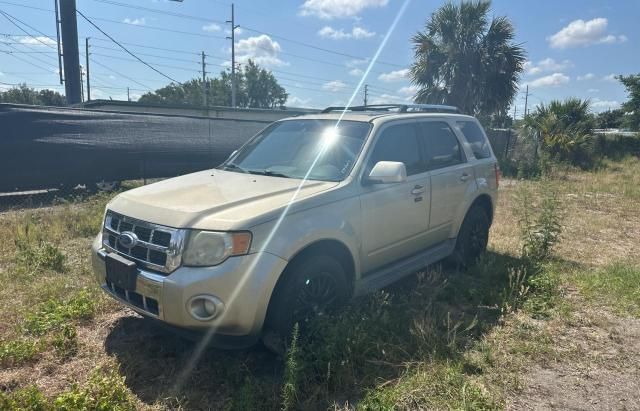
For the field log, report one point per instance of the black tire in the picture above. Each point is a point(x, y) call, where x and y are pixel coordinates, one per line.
point(309, 287)
point(472, 238)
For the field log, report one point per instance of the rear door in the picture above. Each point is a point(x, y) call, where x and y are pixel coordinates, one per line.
point(451, 175)
point(395, 217)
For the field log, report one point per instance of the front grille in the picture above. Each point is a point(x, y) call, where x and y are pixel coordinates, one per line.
point(145, 303)
point(157, 247)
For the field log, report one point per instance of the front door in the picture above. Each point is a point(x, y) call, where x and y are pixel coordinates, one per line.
point(395, 217)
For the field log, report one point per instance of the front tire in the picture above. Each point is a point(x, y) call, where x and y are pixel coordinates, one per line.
point(310, 287)
point(473, 237)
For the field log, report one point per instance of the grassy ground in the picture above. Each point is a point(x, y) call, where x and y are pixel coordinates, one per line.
point(509, 333)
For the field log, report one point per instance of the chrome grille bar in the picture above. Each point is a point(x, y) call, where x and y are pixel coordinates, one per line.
point(160, 250)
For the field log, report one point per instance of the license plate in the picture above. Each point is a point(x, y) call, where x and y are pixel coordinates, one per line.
point(121, 272)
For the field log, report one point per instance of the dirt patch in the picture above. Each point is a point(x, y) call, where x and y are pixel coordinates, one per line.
point(597, 366)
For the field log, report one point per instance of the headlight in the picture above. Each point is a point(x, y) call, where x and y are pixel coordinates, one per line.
point(207, 248)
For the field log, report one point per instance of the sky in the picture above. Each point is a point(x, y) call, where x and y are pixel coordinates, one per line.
point(319, 50)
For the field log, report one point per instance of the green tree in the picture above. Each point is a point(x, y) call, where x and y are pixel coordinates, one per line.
point(610, 119)
point(24, 94)
point(632, 106)
point(463, 59)
point(256, 87)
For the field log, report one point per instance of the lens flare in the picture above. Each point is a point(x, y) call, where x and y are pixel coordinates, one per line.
point(329, 137)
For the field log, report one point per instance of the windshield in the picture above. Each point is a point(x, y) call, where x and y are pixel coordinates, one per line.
point(296, 148)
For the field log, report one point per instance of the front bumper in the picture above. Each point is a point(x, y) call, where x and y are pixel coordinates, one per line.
point(243, 284)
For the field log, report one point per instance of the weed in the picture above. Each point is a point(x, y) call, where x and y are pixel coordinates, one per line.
point(617, 284)
point(105, 391)
point(539, 229)
point(18, 352)
point(65, 341)
point(55, 313)
point(33, 252)
point(291, 371)
point(438, 385)
point(28, 399)
point(515, 292)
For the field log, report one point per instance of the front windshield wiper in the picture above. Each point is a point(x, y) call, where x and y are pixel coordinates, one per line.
point(235, 167)
point(268, 173)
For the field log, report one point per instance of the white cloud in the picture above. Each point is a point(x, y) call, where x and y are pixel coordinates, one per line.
point(387, 98)
point(392, 76)
point(212, 27)
point(356, 72)
point(610, 77)
point(552, 80)
point(588, 76)
point(356, 62)
point(330, 9)
point(295, 101)
point(333, 86)
point(584, 33)
point(604, 105)
point(409, 90)
point(38, 41)
point(261, 49)
point(339, 34)
point(136, 22)
point(593, 90)
point(546, 65)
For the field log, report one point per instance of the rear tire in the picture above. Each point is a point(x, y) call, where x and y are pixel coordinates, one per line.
point(310, 287)
point(472, 238)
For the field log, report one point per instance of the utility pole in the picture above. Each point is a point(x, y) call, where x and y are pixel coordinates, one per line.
point(69, 29)
point(204, 82)
point(233, 55)
point(515, 111)
point(81, 84)
point(366, 94)
point(128, 95)
point(526, 100)
point(59, 43)
point(86, 54)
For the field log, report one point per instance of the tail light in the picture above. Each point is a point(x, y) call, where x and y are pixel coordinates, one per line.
point(498, 174)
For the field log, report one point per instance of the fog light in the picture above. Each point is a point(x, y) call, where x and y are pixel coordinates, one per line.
point(204, 307)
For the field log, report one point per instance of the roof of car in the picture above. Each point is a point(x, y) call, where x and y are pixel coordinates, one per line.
point(370, 116)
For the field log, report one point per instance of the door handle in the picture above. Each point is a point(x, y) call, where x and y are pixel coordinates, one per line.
point(464, 177)
point(417, 190)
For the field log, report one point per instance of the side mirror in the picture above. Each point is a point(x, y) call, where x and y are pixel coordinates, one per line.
point(386, 172)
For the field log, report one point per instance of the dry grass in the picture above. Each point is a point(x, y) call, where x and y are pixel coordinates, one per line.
point(439, 341)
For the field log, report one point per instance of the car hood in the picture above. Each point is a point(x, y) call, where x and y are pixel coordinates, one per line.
point(214, 199)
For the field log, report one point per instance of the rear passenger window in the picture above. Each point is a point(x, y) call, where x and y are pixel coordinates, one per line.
point(398, 143)
point(476, 138)
point(441, 144)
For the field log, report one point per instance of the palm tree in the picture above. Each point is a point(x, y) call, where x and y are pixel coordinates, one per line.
point(464, 60)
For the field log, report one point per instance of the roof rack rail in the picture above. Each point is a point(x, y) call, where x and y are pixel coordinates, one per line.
point(400, 108)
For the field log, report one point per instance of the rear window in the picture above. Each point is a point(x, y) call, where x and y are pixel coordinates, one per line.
point(474, 135)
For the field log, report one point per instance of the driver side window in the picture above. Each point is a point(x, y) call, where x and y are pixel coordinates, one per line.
point(398, 143)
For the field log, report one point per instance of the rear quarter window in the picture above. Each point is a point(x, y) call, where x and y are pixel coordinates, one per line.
point(474, 135)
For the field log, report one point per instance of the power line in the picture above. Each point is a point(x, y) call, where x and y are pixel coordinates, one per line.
point(120, 74)
point(277, 36)
point(126, 49)
point(11, 19)
point(157, 64)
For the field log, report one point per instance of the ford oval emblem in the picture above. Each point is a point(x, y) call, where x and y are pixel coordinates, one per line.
point(128, 239)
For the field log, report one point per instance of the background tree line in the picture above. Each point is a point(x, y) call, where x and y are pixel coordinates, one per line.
point(256, 87)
